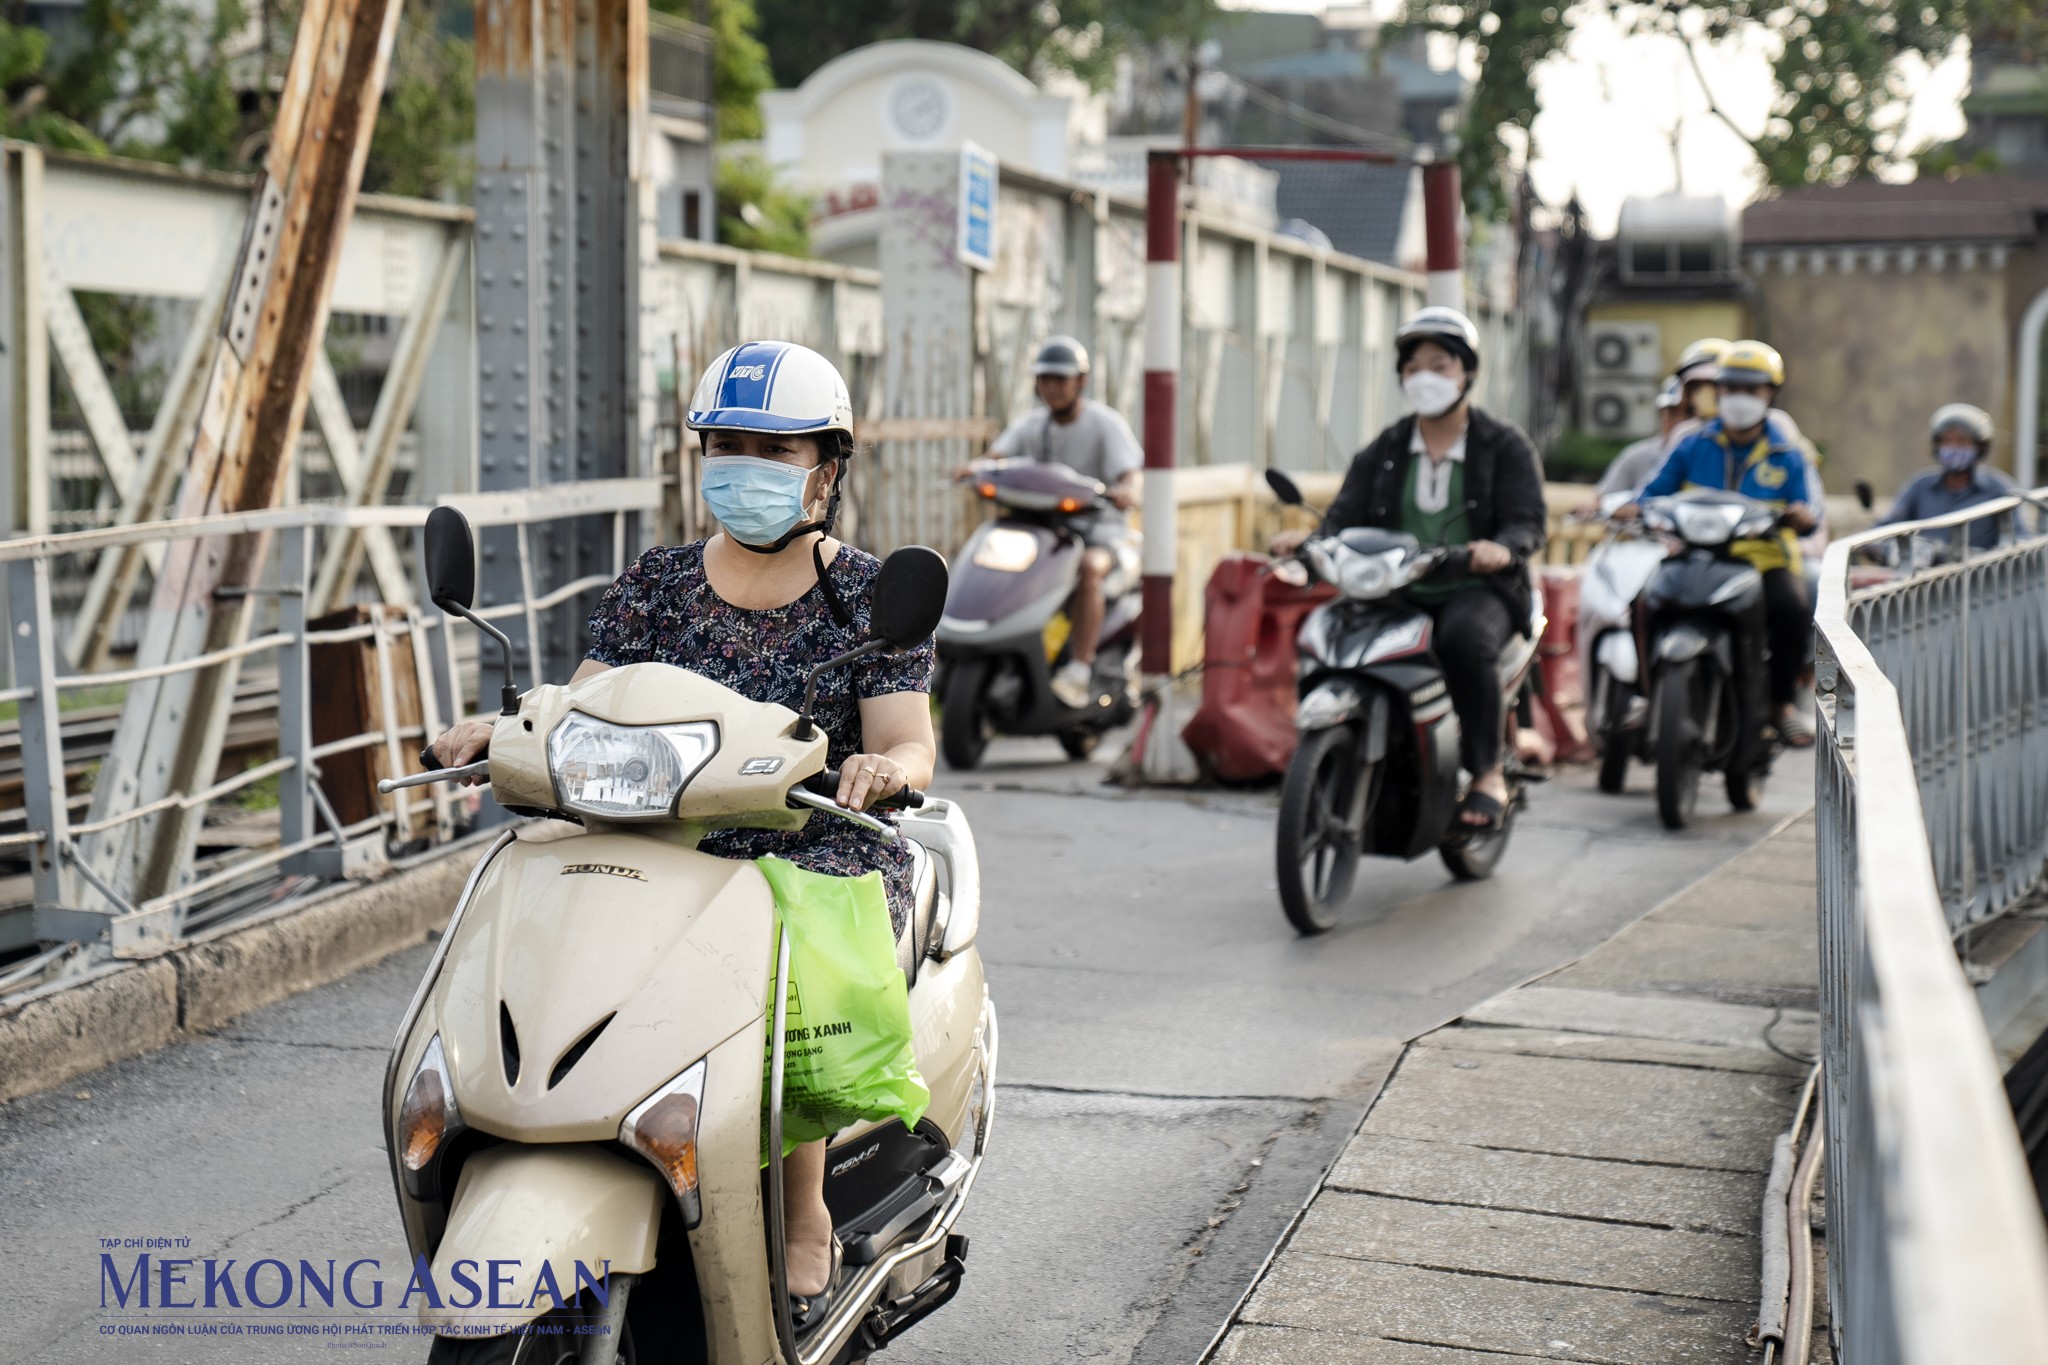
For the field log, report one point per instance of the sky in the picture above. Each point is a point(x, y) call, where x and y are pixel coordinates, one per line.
point(1612, 103)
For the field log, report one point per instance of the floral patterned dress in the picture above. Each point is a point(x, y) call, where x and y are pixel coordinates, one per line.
point(664, 610)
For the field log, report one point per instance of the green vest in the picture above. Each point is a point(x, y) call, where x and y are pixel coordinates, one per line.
point(1444, 527)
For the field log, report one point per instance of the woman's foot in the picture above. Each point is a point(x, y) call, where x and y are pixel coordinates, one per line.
point(1073, 682)
point(807, 1307)
point(1795, 727)
point(1486, 800)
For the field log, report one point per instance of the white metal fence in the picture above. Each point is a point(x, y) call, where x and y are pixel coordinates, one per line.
point(89, 915)
point(1929, 781)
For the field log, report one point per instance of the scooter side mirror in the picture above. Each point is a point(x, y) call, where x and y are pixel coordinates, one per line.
point(1866, 497)
point(909, 597)
point(1284, 488)
point(450, 559)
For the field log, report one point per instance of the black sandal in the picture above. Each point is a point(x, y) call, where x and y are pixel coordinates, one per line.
point(1478, 803)
point(806, 1311)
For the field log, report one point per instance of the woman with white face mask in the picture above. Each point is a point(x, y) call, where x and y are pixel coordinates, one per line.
point(1452, 473)
point(755, 608)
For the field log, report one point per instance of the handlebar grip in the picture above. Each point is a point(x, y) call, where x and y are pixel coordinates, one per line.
point(430, 760)
point(826, 784)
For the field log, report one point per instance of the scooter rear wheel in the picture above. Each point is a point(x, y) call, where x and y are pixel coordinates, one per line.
point(964, 729)
point(1473, 858)
point(1746, 789)
point(1613, 764)
point(1079, 744)
point(1678, 745)
point(1316, 843)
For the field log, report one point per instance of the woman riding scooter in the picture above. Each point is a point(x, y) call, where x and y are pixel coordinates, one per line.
point(1455, 474)
point(754, 608)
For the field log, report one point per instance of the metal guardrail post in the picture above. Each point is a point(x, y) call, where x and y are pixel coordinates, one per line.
point(294, 678)
point(42, 757)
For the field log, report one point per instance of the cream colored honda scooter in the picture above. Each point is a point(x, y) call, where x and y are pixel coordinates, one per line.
point(576, 1099)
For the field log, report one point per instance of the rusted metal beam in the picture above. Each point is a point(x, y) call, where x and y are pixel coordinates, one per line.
point(250, 419)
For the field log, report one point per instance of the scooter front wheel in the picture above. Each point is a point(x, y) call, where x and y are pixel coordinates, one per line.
point(541, 1347)
point(1319, 834)
point(964, 729)
point(1678, 745)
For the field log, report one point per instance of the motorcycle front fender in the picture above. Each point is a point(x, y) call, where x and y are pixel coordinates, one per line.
point(1686, 641)
point(573, 1210)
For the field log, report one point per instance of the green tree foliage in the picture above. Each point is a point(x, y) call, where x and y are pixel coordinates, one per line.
point(1037, 37)
point(740, 70)
point(426, 128)
point(1838, 102)
point(756, 213)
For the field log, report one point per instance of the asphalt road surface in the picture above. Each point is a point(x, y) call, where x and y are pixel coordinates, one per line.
point(1178, 1068)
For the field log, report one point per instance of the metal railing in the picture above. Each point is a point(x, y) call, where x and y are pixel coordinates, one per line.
point(74, 903)
point(1928, 779)
point(679, 59)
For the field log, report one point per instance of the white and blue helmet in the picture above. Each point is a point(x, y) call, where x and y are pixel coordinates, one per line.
point(772, 386)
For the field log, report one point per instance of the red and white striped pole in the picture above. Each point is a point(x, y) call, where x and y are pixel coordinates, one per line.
point(1162, 402)
point(1441, 224)
point(1157, 753)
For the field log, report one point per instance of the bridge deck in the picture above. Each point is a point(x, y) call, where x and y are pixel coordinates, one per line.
point(1573, 1170)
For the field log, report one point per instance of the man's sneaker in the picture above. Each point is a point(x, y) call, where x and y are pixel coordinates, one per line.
point(1071, 683)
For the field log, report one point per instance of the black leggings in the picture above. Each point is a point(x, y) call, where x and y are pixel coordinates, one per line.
point(1472, 628)
point(1788, 624)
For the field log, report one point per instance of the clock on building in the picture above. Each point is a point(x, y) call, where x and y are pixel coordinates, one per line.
point(919, 108)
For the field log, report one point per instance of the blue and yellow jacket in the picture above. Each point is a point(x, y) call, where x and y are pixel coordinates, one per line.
point(1771, 470)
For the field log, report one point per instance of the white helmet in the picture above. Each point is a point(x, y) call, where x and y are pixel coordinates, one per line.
point(1973, 420)
point(772, 386)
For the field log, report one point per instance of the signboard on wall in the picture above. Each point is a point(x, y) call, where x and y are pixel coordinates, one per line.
point(977, 244)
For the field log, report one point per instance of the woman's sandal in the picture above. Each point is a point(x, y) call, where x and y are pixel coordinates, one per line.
point(1796, 730)
point(1479, 803)
point(806, 1311)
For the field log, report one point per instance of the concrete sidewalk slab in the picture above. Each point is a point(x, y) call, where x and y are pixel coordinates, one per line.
point(1489, 1313)
point(1619, 1111)
point(1574, 1170)
point(1684, 1197)
point(1539, 1247)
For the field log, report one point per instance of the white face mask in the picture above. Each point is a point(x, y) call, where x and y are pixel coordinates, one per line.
point(1430, 393)
point(1741, 411)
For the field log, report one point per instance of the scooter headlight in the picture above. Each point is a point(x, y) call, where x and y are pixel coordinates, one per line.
point(663, 1128)
point(1368, 576)
point(427, 1119)
point(626, 772)
point(1706, 524)
point(1006, 550)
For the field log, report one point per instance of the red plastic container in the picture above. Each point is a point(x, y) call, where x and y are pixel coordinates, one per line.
point(1244, 728)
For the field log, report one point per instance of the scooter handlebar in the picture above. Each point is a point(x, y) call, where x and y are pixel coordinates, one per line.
point(826, 784)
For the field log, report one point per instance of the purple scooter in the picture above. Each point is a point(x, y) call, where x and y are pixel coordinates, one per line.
point(1008, 617)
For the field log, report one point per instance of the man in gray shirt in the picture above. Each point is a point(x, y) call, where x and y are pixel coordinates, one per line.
point(1096, 442)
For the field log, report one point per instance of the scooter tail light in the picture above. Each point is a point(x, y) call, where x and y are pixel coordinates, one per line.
point(663, 1129)
point(987, 490)
point(429, 1115)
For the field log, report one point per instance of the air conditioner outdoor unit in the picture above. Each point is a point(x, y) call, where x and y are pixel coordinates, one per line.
point(1620, 409)
point(1617, 350)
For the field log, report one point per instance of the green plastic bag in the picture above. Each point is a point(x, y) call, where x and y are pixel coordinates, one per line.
point(847, 1056)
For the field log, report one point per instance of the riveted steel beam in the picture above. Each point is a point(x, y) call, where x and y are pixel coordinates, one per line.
point(250, 418)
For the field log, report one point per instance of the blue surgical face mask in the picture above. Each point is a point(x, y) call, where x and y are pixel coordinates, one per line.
point(758, 501)
point(1956, 459)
